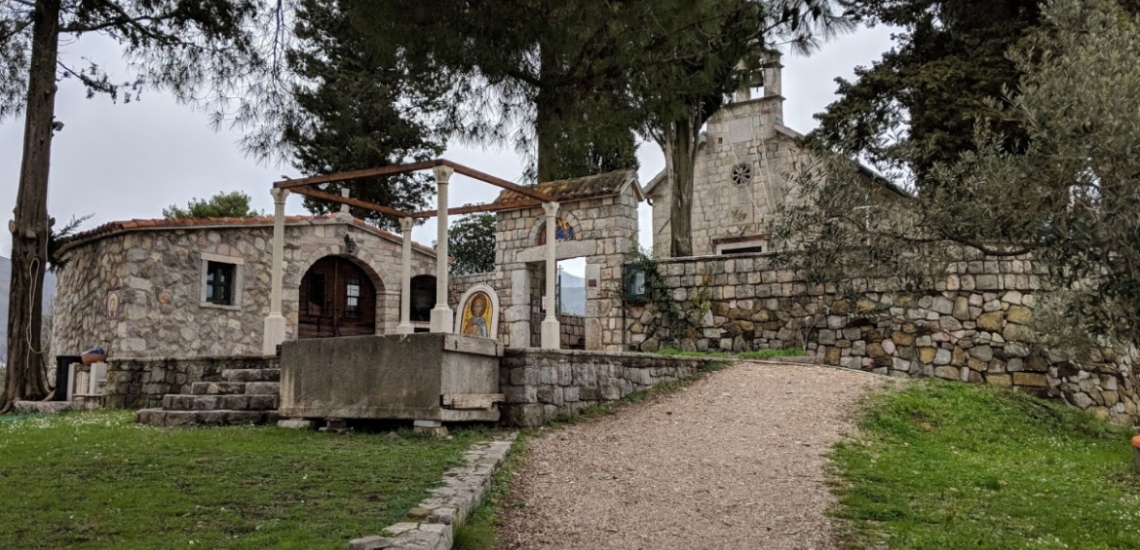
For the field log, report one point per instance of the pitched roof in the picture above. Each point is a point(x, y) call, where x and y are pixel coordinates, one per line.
point(126, 226)
point(575, 189)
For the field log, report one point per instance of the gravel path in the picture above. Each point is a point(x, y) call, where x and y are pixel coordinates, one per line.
point(731, 461)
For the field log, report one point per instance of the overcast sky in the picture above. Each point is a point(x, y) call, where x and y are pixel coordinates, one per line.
point(123, 161)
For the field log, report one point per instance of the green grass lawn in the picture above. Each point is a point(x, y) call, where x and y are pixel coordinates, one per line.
point(98, 480)
point(950, 465)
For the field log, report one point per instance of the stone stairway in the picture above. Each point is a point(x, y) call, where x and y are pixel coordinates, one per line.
point(241, 396)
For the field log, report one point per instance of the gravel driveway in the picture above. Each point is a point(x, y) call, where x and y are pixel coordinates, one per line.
point(731, 461)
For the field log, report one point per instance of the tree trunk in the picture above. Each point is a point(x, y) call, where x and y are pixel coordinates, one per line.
point(548, 120)
point(680, 142)
point(546, 134)
point(30, 229)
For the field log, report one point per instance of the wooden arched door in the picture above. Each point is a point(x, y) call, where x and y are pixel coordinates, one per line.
point(338, 298)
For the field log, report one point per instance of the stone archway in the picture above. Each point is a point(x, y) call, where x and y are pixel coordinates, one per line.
point(338, 297)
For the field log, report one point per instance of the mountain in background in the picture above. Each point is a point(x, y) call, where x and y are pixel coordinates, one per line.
point(5, 285)
point(573, 294)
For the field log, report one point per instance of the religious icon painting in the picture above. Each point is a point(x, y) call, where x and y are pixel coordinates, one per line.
point(478, 313)
point(563, 231)
point(113, 305)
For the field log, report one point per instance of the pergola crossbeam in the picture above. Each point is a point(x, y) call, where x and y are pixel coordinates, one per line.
point(318, 194)
point(359, 174)
point(412, 167)
point(474, 208)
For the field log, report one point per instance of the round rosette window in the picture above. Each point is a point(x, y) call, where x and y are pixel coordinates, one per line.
point(742, 174)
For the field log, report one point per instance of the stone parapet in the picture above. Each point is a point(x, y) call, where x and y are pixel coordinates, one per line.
point(541, 385)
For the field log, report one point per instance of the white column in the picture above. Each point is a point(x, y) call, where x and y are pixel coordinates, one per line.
point(344, 207)
point(551, 331)
point(274, 332)
point(405, 326)
point(441, 316)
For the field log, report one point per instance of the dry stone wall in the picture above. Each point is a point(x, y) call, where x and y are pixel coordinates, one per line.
point(975, 326)
point(542, 385)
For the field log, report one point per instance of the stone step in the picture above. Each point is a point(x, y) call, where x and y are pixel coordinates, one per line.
point(159, 417)
point(238, 402)
point(233, 388)
point(251, 375)
point(263, 388)
point(217, 388)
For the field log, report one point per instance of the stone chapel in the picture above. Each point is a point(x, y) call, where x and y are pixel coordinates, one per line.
point(744, 170)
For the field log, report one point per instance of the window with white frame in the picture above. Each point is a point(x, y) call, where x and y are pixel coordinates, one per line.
point(221, 281)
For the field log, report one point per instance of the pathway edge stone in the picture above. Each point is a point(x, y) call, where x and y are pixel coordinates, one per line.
point(448, 505)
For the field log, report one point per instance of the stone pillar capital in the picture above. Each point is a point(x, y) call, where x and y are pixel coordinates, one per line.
point(443, 174)
point(550, 208)
point(406, 224)
point(279, 194)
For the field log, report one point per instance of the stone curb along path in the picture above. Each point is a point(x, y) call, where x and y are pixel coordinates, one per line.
point(448, 506)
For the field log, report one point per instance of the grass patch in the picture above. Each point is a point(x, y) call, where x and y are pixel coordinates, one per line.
point(98, 480)
point(949, 465)
point(758, 354)
point(479, 531)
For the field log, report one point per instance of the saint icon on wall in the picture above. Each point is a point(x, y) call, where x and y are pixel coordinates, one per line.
point(113, 305)
point(563, 231)
point(478, 313)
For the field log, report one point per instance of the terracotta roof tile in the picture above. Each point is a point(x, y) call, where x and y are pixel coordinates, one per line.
point(600, 185)
point(114, 227)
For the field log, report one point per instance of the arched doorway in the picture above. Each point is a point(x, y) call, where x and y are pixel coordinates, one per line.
point(338, 298)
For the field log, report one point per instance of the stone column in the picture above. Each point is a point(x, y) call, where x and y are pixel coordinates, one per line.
point(344, 207)
point(551, 332)
point(274, 332)
point(441, 316)
point(405, 326)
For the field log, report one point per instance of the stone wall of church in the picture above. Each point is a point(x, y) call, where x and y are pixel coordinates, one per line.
point(158, 278)
point(976, 326)
point(740, 176)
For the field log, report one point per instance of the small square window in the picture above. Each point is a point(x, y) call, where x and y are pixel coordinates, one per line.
point(220, 283)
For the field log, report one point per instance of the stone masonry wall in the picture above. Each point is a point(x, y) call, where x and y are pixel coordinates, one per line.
point(603, 233)
point(573, 328)
point(541, 385)
point(140, 383)
point(159, 276)
point(975, 326)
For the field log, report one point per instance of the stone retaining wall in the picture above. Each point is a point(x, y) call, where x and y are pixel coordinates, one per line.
point(140, 383)
point(573, 329)
point(541, 385)
point(975, 326)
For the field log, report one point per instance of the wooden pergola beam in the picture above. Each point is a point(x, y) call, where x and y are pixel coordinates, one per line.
point(473, 208)
point(413, 167)
point(318, 194)
point(359, 174)
point(499, 182)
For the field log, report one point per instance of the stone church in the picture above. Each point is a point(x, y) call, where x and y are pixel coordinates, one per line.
point(201, 287)
point(746, 159)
